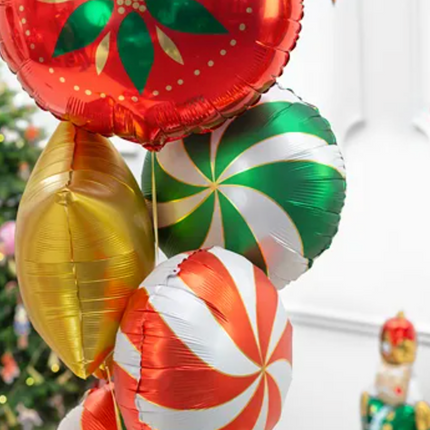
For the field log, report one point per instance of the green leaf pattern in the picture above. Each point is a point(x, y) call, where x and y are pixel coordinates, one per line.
point(84, 26)
point(134, 38)
point(135, 44)
point(187, 16)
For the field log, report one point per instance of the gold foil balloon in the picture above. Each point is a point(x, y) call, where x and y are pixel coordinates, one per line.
point(84, 244)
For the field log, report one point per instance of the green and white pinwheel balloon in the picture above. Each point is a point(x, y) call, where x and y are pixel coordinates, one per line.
point(269, 185)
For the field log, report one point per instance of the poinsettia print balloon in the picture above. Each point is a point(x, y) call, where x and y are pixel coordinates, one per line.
point(269, 185)
point(205, 344)
point(147, 70)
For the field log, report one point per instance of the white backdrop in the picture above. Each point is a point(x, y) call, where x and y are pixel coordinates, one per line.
point(365, 64)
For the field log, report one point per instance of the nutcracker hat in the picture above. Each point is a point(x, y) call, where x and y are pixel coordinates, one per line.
point(398, 340)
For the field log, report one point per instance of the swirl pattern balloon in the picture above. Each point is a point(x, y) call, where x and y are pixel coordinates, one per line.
point(269, 185)
point(147, 70)
point(205, 344)
point(96, 412)
point(84, 244)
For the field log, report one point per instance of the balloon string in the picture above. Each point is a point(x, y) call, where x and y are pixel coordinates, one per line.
point(154, 207)
point(115, 404)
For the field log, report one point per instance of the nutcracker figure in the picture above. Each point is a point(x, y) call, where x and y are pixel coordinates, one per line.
point(394, 402)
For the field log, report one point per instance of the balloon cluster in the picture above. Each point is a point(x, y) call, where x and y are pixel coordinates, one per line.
point(204, 341)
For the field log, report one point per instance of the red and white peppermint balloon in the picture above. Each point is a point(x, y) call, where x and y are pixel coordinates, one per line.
point(96, 412)
point(205, 344)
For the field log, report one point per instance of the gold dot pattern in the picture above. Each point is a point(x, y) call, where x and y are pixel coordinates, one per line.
point(128, 5)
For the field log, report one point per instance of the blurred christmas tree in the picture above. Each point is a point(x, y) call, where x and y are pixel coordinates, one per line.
point(35, 388)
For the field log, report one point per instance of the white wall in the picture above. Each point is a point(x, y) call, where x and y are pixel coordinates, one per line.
point(365, 64)
point(377, 263)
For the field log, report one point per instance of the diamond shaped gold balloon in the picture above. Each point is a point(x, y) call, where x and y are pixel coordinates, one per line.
point(84, 243)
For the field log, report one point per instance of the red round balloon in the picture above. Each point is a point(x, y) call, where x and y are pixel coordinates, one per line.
point(149, 71)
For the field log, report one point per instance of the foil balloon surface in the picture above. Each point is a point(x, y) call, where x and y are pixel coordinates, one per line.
point(148, 71)
point(269, 185)
point(96, 412)
point(84, 244)
point(205, 344)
